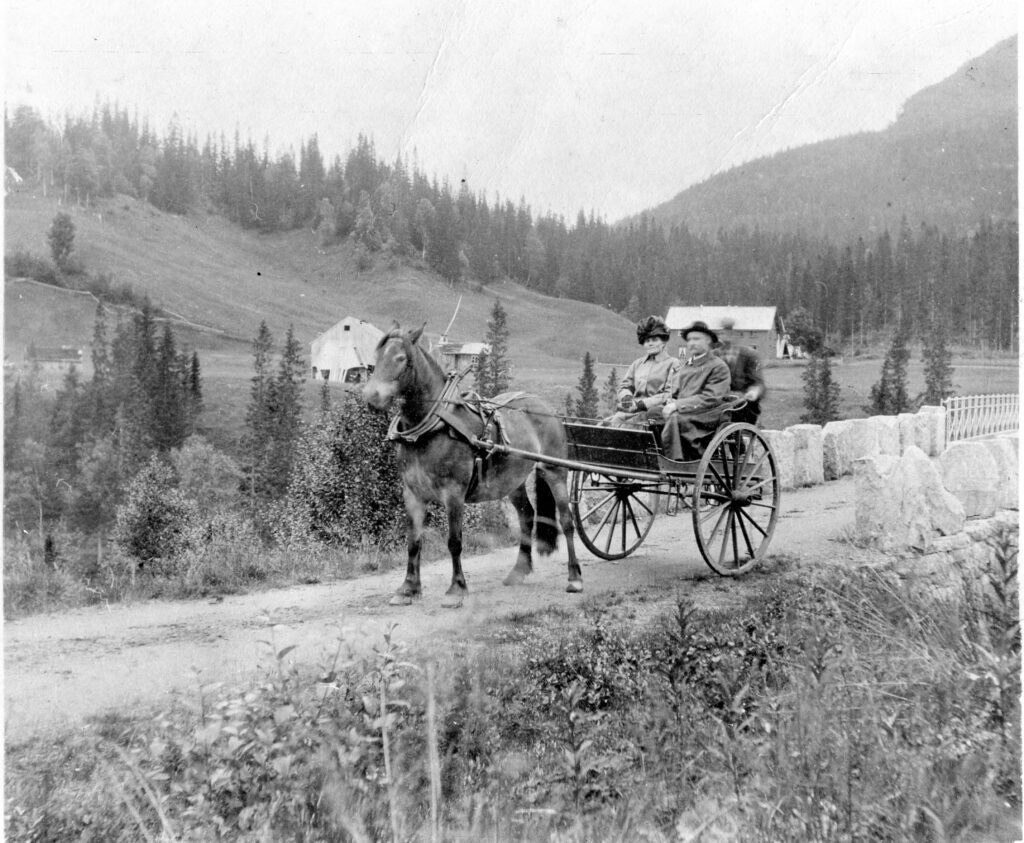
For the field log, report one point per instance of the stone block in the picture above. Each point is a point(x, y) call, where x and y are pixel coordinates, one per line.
point(969, 472)
point(808, 463)
point(932, 428)
point(784, 447)
point(863, 438)
point(901, 503)
point(887, 433)
point(1007, 477)
point(906, 424)
point(837, 449)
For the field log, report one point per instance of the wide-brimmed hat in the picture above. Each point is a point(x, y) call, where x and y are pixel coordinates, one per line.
point(700, 327)
point(652, 326)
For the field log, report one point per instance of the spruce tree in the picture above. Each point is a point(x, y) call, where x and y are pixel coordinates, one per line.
point(828, 392)
point(889, 395)
point(812, 392)
point(170, 421)
point(586, 406)
point(258, 415)
point(938, 369)
point(286, 410)
point(494, 372)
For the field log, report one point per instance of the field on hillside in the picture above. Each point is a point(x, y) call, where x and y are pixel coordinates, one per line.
point(209, 272)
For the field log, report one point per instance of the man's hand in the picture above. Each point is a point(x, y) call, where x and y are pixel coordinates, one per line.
point(752, 394)
point(668, 409)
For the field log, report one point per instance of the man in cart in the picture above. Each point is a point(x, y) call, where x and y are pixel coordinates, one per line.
point(746, 378)
point(696, 393)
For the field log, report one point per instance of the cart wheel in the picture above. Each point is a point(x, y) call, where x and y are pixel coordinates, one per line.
point(612, 516)
point(735, 499)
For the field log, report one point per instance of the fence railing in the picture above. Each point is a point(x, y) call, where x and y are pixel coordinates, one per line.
point(968, 416)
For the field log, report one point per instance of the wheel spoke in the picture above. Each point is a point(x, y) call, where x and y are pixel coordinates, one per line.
point(725, 539)
point(743, 528)
point(584, 516)
point(755, 525)
point(614, 513)
point(748, 475)
point(721, 515)
point(628, 513)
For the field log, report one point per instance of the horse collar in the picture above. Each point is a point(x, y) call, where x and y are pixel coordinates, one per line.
point(430, 422)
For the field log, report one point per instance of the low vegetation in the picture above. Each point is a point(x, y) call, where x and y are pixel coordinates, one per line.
point(837, 706)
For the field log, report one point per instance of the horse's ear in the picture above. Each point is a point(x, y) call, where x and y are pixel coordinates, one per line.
point(415, 335)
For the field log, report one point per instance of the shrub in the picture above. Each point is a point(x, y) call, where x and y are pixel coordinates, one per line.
point(23, 264)
point(345, 485)
point(151, 523)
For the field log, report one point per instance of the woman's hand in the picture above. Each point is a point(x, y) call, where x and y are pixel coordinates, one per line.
point(668, 409)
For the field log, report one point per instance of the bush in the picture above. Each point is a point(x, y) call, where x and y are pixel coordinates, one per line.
point(345, 486)
point(152, 522)
point(23, 264)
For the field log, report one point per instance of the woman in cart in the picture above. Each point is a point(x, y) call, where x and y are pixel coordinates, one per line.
point(644, 388)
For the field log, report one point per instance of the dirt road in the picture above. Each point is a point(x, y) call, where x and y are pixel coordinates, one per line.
point(60, 669)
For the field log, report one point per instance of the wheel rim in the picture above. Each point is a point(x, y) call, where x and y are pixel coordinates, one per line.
point(612, 516)
point(735, 500)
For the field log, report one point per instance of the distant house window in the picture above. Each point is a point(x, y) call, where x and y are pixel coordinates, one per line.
point(347, 327)
point(314, 371)
point(325, 374)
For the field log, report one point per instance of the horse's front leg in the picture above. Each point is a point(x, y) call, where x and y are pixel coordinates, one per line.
point(457, 591)
point(524, 561)
point(414, 514)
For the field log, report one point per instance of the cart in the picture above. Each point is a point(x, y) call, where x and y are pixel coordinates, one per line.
point(620, 480)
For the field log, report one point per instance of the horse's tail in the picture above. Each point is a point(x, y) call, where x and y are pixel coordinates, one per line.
point(546, 519)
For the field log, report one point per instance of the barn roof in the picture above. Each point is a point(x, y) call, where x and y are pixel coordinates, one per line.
point(743, 318)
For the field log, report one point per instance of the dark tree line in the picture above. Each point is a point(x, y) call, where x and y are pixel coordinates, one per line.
point(71, 455)
point(851, 289)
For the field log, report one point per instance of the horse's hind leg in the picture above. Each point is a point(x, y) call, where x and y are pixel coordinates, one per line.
point(556, 482)
point(414, 514)
point(457, 590)
point(524, 562)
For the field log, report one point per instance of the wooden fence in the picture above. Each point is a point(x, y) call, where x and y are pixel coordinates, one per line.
point(970, 416)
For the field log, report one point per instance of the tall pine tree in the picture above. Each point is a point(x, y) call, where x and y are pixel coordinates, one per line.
point(889, 395)
point(494, 371)
point(938, 369)
point(586, 405)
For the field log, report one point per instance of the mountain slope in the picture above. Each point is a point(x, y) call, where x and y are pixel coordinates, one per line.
point(949, 159)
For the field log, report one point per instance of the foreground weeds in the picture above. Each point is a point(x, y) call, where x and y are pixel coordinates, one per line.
point(840, 707)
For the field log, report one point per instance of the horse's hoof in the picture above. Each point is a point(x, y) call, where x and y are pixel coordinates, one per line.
point(515, 577)
point(400, 600)
point(574, 586)
point(452, 601)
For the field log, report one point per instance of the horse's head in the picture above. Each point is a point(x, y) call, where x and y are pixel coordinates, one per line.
point(393, 367)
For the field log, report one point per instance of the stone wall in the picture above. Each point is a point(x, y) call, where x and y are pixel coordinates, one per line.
point(972, 550)
point(912, 490)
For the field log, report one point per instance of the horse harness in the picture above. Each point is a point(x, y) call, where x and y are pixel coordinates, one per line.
point(486, 412)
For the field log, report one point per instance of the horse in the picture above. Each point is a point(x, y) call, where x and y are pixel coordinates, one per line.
point(439, 434)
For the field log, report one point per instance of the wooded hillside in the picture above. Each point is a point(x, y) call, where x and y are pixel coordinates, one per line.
point(948, 160)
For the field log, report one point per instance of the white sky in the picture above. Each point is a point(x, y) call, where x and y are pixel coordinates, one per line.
point(608, 105)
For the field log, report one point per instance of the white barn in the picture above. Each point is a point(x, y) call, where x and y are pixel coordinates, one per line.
point(345, 352)
point(754, 327)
